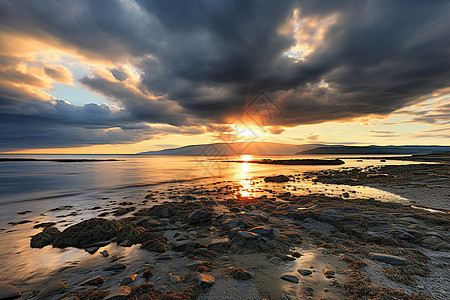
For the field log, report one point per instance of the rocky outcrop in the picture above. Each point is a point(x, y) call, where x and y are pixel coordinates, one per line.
point(87, 233)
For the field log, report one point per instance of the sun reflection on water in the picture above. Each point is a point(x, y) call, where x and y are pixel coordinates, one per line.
point(245, 190)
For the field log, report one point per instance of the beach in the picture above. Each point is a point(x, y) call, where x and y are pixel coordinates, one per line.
point(357, 231)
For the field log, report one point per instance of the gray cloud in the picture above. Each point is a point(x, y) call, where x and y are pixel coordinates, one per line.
point(204, 60)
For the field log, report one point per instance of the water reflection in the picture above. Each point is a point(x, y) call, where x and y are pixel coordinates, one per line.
point(245, 190)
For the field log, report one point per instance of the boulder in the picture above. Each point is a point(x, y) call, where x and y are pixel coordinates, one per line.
point(86, 233)
point(44, 238)
point(163, 211)
point(290, 277)
point(51, 290)
point(304, 272)
point(204, 280)
point(219, 244)
point(265, 230)
point(9, 292)
point(199, 215)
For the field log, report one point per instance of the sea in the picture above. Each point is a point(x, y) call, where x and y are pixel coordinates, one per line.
point(33, 192)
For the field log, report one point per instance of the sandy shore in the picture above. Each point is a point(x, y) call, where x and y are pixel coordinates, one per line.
point(253, 240)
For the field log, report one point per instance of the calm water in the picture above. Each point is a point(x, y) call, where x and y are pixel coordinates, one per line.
point(93, 187)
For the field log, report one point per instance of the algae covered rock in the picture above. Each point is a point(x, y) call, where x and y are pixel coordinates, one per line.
point(87, 233)
point(44, 238)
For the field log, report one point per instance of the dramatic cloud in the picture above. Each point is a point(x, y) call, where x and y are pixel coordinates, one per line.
point(193, 64)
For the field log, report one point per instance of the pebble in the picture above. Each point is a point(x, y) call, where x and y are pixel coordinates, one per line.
point(104, 253)
point(115, 257)
point(115, 267)
point(129, 279)
point(163, 256)
point(275, 261)
point(304, 272)
point(9, 292)
point(289, 277)
point(91, 250)
point(329, 273)
point(93, 281)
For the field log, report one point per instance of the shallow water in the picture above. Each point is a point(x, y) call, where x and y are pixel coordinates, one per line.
point(89, 188)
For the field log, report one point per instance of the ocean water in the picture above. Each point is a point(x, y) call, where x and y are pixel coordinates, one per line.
point(67, 193)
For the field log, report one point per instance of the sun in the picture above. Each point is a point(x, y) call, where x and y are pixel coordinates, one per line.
point(246, 133)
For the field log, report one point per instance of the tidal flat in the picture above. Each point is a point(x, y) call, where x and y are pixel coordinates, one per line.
point(316, 234)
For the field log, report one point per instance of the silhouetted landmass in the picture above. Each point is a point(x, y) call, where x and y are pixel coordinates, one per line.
point(433, 157)
point(238, 148)
point(56, 159)
point(376, 150)
point(311, 162)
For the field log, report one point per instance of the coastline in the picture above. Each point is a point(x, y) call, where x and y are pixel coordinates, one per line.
point(266, 228)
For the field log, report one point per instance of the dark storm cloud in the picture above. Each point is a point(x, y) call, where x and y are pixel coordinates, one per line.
point(205, 59)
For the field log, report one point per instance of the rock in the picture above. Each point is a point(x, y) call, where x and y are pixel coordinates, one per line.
point(199, 215)
point(162, 211)
point(147, 274)
point(279, 178)
point(309, 289)
point(131, 234)
point(219, 244)
point(324, 250)
point(93, 281)
point(246, 235)
point(129, 279)
point(174, 278)
point(390, 259)
point(275, 261)
point(164, 256)
point(328, 273)
point(91, 250)
point(86, 233)
point(232, 223)
point(104, 253)
point(265, 230)
point(431, 242)
point(144, 267)
point(239, 273)
point(204, 280)
point(193, 265)
point(52, 289)
point(182, 245)
point(304, 272)
point(289, 277)
point(115, 267)
point(115, 257)
point(8, 292)
point(157, 245)
point(118, 293)
point(44, 225)
point(402, 235)
point(44, 238)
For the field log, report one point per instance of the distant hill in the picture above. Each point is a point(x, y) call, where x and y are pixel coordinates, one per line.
point(376, 150)
point(224, 149)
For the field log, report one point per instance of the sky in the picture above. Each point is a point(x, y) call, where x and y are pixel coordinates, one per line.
point(127, 76)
